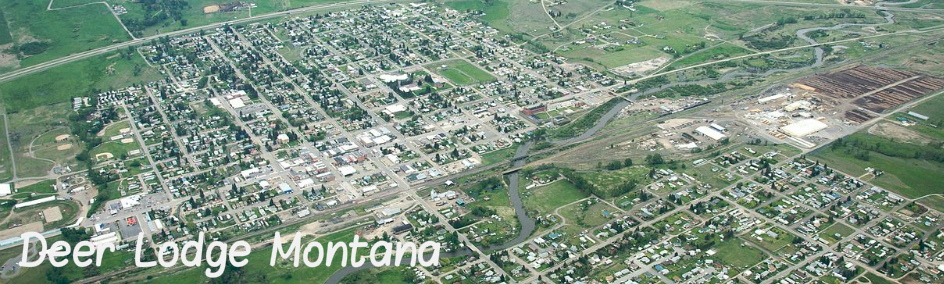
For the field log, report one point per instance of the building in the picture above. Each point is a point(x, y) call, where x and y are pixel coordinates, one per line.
point(535, 109)
point(710, 132)
point(402, 228)
point(5, 189)
point(803, 128)
point(347, 170)
point(918, 115)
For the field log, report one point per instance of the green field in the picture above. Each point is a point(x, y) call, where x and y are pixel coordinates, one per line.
point(387, 275)
point(496, 12)
point(612, 59)
point(608, 181)
point(39, 187)
point(461, 72)
point(586, 216)
point(875, 279)
point(499, 155)
point(736, 253)
point(722, 51)
point(62, 31)
point(5, 36)
point(545, 199)
point(910, 177)
point(6, 162)
point(76, 79)
point(830, 233)
point(936, 202)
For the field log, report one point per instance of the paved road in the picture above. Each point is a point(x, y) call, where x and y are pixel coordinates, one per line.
point(102, 50)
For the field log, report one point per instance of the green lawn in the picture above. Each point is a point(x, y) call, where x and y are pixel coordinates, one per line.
point(386, 275)
point(499, 155)
point(736, 253)
point(830, 233)
point(549, 197)
point(115, 129)
point(456, 76)
point(116, 148)
point(39, 187)
point(875, 279)
point(461, 72)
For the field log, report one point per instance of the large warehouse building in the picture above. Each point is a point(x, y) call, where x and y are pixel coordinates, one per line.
point(803, 128)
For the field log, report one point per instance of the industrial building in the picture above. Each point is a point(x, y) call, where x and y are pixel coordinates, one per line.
point(803, 128)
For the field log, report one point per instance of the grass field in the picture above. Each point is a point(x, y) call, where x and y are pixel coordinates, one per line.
point(936, 202)
point(75, 79)
point(39, 187)
point(830, 233)
point(613, 59)
point(28, 124)
point(5, 37)
point(546, 198)
point(737, 254)
point(45, 147)
point(586, 216)
point(116, 148)
point(496, 12)
point(65, 31)
point(722, 51)
point(499, 155)
point(912, 178)
point(610, 180)
point(875, 279)
point(933, 108)
point(6, 162)
point(386, 275)
point(461, 72)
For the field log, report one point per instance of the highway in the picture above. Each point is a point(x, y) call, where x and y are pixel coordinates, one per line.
point(103, 50)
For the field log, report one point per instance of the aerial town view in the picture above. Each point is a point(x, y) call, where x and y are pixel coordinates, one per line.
point(532, 141)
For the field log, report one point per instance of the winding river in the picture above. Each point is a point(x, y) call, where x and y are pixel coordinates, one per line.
point(528, 224)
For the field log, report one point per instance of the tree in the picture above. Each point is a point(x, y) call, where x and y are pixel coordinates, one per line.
point(74, 236)
point(628, 162)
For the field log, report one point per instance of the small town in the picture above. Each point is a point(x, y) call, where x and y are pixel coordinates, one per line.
point(618, 143)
